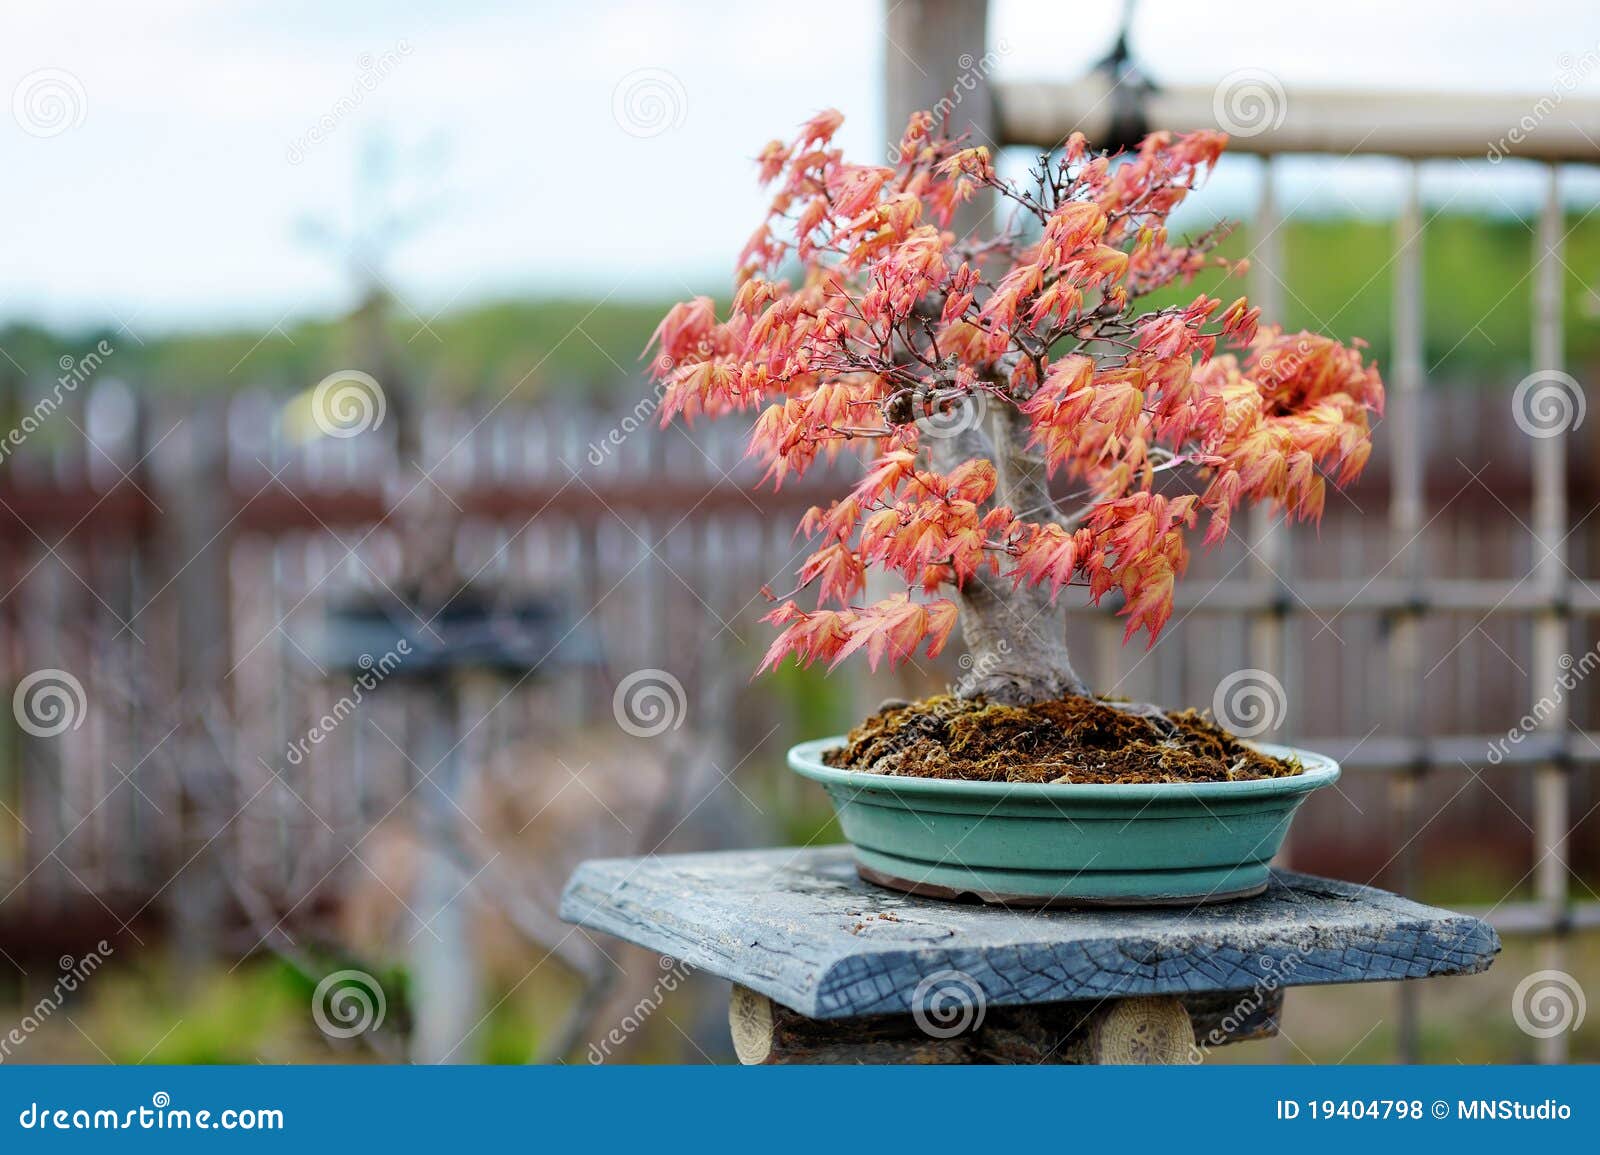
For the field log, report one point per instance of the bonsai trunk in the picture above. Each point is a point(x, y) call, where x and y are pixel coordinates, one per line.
point(1015, 636)
point(1017, 642)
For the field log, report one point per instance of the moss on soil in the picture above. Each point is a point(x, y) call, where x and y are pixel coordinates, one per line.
point(1068, 740)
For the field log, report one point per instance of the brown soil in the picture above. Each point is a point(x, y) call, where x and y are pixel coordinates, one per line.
point(1069, 740)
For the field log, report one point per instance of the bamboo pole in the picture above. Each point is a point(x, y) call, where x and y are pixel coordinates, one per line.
point(1263, 117)
point(1405, 524)
point(1268, 536)
point(1552, 817)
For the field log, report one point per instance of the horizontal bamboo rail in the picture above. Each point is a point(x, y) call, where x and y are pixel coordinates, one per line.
point(1265, 118)
point(1398, 753)
point(1459, 595)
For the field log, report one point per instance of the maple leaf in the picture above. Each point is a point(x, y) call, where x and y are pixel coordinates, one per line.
point(843, 574)
point(972, 480)
point(1049, 553)
point(892, 629)
point(820, 634)
point(885, 476)
point(1150, 599)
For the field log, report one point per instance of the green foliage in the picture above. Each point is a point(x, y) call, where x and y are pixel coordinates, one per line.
point(1477, 275)
point(530, 348)
point(1339, 278)
point(144, 1007)
point(145, 1013)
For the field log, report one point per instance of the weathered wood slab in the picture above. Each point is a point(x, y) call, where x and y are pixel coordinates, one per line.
point(800, 927)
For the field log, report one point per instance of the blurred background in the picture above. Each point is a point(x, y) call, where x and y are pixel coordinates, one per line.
point(350, 595)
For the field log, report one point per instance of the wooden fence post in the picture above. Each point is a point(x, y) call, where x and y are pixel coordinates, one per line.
point(935, 59)
point(195, 495)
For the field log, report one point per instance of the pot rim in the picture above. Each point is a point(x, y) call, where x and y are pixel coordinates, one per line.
point(1320, 770)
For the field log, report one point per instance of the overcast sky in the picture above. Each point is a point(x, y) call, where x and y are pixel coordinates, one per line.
point(161, 159)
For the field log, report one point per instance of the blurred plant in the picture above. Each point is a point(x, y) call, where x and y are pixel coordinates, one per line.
point(913, 340)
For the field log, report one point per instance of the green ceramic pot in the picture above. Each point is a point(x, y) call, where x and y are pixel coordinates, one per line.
point(1033, 844)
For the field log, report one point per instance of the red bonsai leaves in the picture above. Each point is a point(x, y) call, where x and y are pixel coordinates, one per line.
point(1156, 415)
point(1050, 553)
point(891, 629)
point(841, 571)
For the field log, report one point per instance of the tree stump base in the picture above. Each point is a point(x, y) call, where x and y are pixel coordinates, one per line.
point(1139, 1031)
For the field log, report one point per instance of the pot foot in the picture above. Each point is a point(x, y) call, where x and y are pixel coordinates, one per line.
point(1050, 901)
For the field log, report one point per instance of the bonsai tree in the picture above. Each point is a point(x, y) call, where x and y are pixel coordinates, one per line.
point(974, 370)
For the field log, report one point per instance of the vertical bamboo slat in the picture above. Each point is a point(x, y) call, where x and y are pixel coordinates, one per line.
point(1269, 544)
point(1552, 820)
point(1405, 523)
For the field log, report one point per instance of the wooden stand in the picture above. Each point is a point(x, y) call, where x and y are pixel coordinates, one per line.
point(827, 968)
